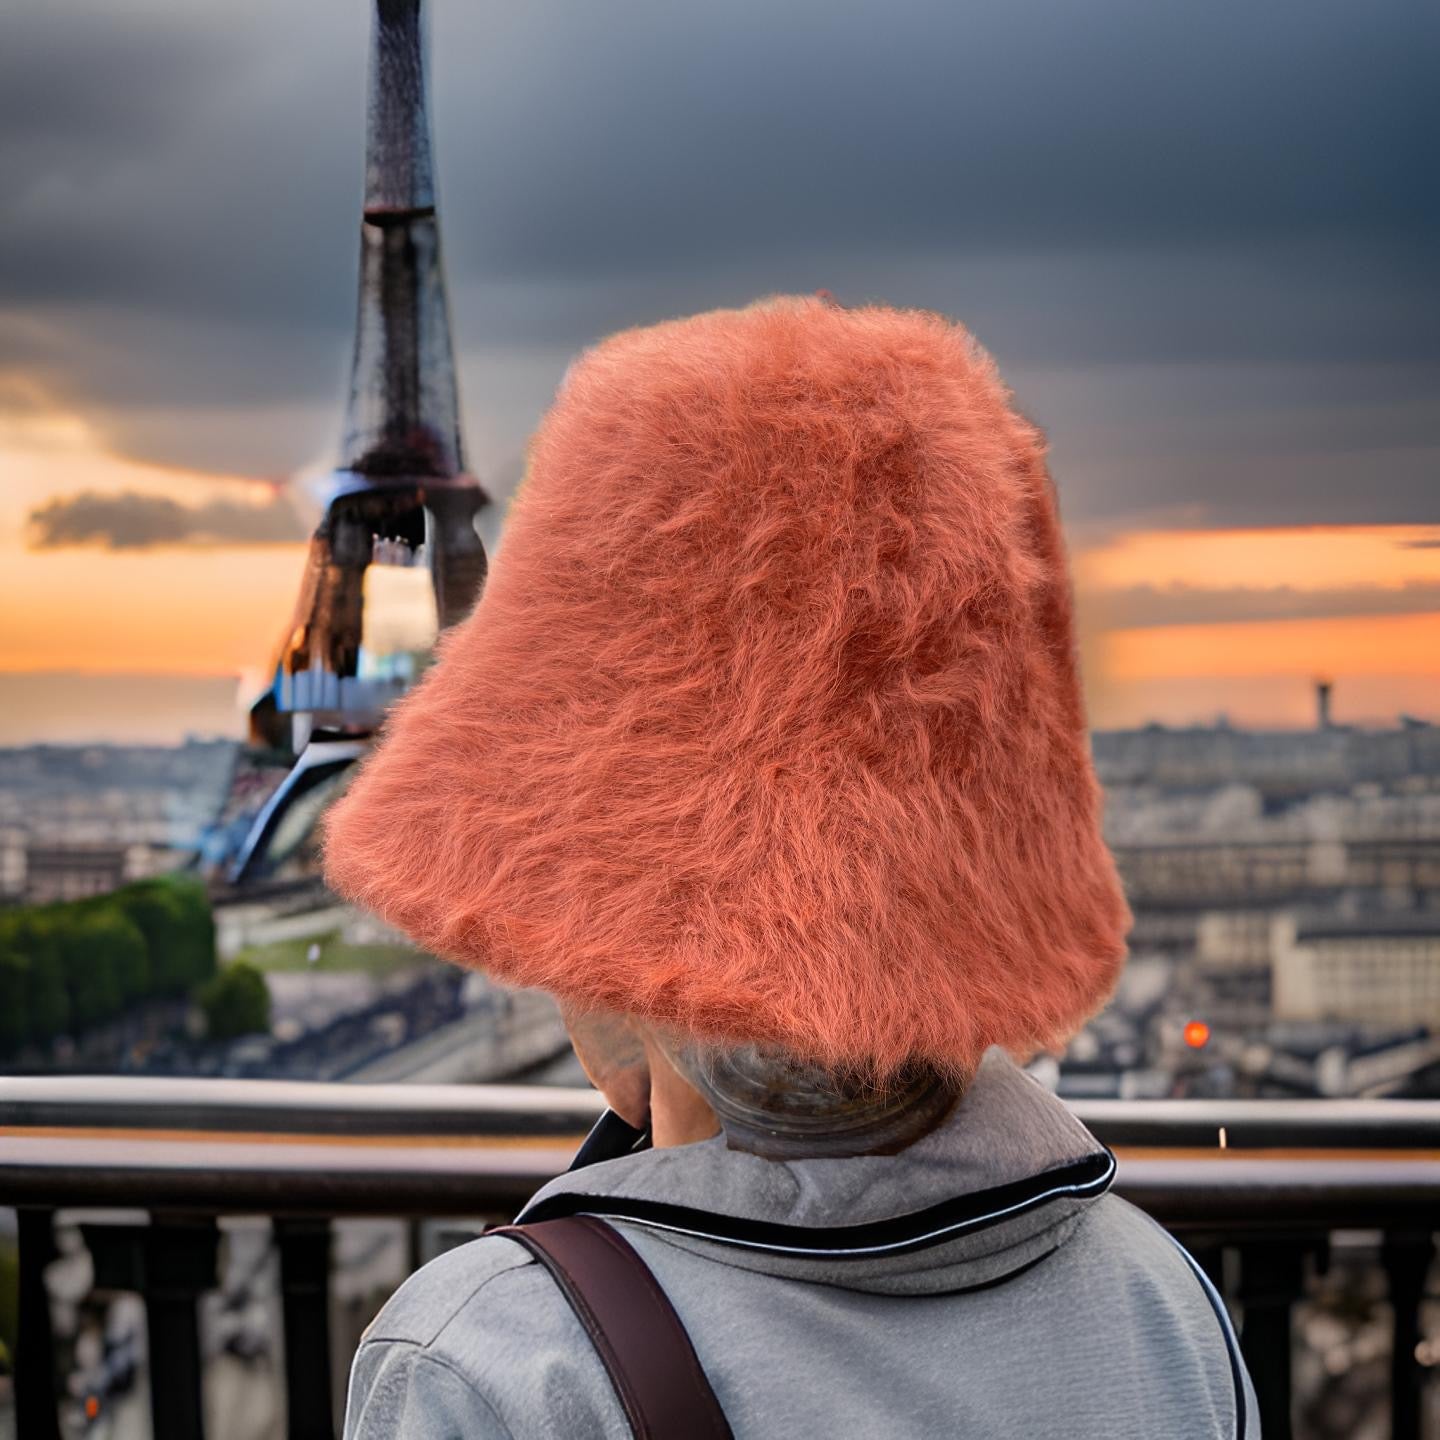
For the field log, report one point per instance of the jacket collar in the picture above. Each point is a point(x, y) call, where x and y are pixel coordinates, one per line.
point(1009, 1164)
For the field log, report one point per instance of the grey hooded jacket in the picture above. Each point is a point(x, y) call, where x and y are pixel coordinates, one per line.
point(980, 1283)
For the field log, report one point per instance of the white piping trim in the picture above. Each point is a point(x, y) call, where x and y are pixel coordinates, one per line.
point(1100, 1183)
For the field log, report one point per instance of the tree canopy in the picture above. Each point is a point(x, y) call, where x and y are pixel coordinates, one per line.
point(236, 1001)
point(69, 966)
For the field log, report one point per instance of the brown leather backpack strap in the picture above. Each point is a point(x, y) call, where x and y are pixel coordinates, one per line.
point(632, 1325)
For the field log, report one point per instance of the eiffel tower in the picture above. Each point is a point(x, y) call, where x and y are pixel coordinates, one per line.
point(400, 507)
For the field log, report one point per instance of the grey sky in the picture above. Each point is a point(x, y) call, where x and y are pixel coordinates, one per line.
point(1201, 240)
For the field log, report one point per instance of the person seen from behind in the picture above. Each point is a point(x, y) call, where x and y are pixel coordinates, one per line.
point(764, 753)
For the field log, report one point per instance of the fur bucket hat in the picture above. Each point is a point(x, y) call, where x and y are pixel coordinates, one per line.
point(767, 724)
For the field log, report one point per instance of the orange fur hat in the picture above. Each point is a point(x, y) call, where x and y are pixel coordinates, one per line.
point(767, 725)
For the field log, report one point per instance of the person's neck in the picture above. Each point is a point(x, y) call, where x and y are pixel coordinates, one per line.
point(679, 1114)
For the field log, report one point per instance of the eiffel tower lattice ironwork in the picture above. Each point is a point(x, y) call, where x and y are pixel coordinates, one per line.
point(400, 507)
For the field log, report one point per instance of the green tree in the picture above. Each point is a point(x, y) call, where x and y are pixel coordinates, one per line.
point(159, 917)
point(173, 913)
point(194, 904)
point(112, 930)
point(85, 961)
point(236, 1001)
point(88, 962)
point(31, 934)
point(14, 1001)
point(49, 1006)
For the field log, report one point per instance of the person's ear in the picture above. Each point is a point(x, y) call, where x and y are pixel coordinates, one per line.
point(611, 1050)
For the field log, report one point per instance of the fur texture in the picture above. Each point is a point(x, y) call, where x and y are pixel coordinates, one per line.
point(767, 724)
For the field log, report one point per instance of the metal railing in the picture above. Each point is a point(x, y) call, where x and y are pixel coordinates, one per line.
point(1266, 1183)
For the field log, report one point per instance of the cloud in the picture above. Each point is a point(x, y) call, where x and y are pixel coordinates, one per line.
point(216, 166)
point(1131, 194)
point(131, 520)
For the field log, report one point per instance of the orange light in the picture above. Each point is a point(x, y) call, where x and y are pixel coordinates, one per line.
point(1197, 1034)
point(92, 1406)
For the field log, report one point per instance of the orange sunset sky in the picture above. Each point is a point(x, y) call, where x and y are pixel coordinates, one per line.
point(157, 641)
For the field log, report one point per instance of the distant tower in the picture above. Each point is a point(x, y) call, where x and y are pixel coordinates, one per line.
point(400, 507)
point(1322, 704)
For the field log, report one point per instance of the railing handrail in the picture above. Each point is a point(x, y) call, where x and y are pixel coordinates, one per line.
point(327, 1108)
point(294, 1106)
point(237, 1174)
point(1265, 1124)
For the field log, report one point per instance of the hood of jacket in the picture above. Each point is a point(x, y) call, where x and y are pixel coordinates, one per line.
point(997, 1186)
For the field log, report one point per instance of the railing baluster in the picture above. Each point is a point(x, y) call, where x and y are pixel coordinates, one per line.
point(1271, 1280)
point(35, 1411)
point(305, 1290)
point(180, 1267)
point(1406, 1256)
point(170, 1263)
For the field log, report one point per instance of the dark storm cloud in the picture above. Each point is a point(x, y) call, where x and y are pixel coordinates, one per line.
point(1125, 201)
point(76, 75)
point(134, 521)
point(633, 137)
point(650, 133)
